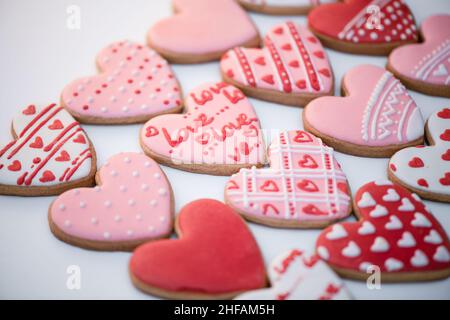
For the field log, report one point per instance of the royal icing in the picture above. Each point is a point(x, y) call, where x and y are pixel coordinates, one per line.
point(378, 110)
point(427, 168)
point(292, 61)
point(365, 21)
point(134, 81)
point(50, 149)
point(406, 239)
point(428, 61)
point(296, 276)
point(230, 260)
point(219, 127)
point(304, 183)
point(131, 202)
point(191, 30)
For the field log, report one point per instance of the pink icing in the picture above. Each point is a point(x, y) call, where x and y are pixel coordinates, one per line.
point(378, 110)
point(135, 81)
point(304, 182)
point(132, 202)
point(203, 26)
point(428, 61)
point(219, 127)
point(293, 60)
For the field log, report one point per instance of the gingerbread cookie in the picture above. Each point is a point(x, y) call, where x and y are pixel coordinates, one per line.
point(292, 68)
point(215, 257)
point(191, 37)
point(281, 7)
point(135, 85)
point(375, 118)
point(395, 233)
point(426, 170)
point(218, 134)
point(425, 67)
point(132, 204)
point(303, 188)
point(373, 27)
point(295, 275)
point(50, 154)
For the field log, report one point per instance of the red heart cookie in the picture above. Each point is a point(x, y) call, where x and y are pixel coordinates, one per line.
point(190, 37)
point(380, 116)
point(364, 26)
point(132, 204)
point(218, 134)
point(303, 188)
point(215, 256)
point(426, 170)
point(45, 157)
point(283, 7)
point(135, 84)
point(291, 69)
point(395, 233)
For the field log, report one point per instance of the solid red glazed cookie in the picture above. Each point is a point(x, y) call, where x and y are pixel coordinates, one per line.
point(395, 233)
point(364, 26)
point(215, 257)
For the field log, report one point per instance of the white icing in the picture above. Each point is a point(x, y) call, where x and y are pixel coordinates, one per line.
point(351, 250)
point(323, 252)
point(366, 228)
point(391, 196)
point(366, 200)
point(407, 240)
point(441, 254)
point(406, 205)
point(337, 232)
point(419, 259)
point(394, 223)
point(433, 237)
point(420, 221)
point(393, 264)
point(379, 211)
point(379, 245)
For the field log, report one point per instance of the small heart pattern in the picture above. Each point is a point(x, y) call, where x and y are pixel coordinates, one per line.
point(33, 159)
point(134, 85)
point(304, 185)
point(215, 256)
point(219, 127)
point(426, 170)
point(397, 234)
point(131, 204)
point(295, 275)
point(377, 111)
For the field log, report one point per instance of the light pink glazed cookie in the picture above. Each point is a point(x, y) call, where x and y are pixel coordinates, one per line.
point(218, 134)
point(292, 68)
point(202, 30)
point(425, 67)
point(131, 204)
point(303, 188)
point(426, 170)
point(135, 84)
point(375, 118)
point(282, 7)
point(295, 275)
point(50, 154)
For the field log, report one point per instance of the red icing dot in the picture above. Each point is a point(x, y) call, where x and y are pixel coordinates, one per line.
point(158, 89)
point(130, 80)
point(149, 78)
point(104, 85)
point(138, 92)
point(85, 107)
point(170, 76)
point(36, 160)
point(146, 60)
point(176, 89)
point(141, 67)
point(139, 47)
point(129, 58)
point(75, 94)
point(166, 102)
point(98, 91)
point(158, 65)
point(114, 50)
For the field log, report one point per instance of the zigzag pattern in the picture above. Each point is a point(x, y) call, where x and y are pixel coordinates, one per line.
point(385, 121)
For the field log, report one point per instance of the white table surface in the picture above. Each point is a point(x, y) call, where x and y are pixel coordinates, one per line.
point(40, 55)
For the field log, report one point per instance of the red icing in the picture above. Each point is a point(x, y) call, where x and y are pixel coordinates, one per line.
point(15, 166)
point(445, 180)
point(445, 135)
point(47, 176)
point(416, 163)
point(31, 109)
point(56, 125)
point(37, 144)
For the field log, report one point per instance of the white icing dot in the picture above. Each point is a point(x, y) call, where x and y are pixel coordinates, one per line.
point(106, 235)
point(135, 173)
point(62, 207)
point(122, 89)
point(147, 164)
point(388, 38)
point(126, 160)
point(153, 203)
point(144, 106)
point(82, 204)
point(90, 99)
point(387, 22)
point(399, 26)
point(152, 96)
point(94, 220)
point(144, 187)
point(138, 217)
point(76, 192)
point(113, 99)
point(123, 188)
point(130, 101)
point(373, 35)
point(103, 109)
point(162, 192)
point(162, 218)
point(117, 218)
point(403, 36)
point(157, 175)
point(151, 228)
point(125, 108)
point(67, 223)
point(114, 173)
point(129, 232)
point(107, 203)
point(131, 202)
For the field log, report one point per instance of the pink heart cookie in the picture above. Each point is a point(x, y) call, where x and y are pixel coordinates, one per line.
point(292, 68)
point(295, 275)
point(132, 204)
point(50, 154)
point(303, 188)
point(135, 84)
point(375, 118)
point(425, 67)
point(396, 234)
point(218, 134)
point(191, 37)
point(426, 170)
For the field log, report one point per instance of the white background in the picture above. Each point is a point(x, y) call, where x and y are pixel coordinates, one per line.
point(40, 55)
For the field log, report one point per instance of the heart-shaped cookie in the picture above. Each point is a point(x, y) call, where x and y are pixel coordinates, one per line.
point(295, 275)
point(50, 154)
point(190, 37)
point(218, 134)
point(281, 7)
point(426, 170)
point(134, 85)
point(425, 67)
point(131, 204)
point(292, 68)
point(215, 256)
point(364, 26)
point(395, 233)
point(375, 118)
point(303, 188)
